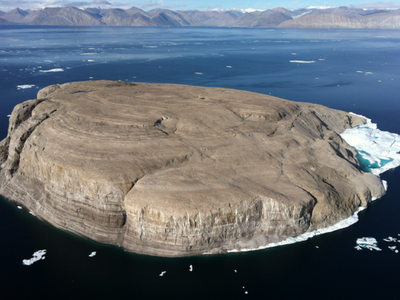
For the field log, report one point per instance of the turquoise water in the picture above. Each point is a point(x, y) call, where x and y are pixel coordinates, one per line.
point(355, 70)
point(366, 165)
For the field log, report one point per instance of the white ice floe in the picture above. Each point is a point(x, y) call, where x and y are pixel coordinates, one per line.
point(191, 268)
point(38, 255)
point(378, 151)
point(369, 243)
point(92, 254)
point(162, 273)
point(390, 239)
point(25, 86)
point(52, 70)
point(303, 61)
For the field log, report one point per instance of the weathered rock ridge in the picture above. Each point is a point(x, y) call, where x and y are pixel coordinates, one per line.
point(173, 170)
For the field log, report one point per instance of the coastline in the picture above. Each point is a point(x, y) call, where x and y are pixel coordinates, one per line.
point(362, 138)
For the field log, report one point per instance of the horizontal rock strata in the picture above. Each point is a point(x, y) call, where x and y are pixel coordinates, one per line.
point(173, 170)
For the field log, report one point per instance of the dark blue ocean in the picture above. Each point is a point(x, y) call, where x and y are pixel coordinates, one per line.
point(351, 70)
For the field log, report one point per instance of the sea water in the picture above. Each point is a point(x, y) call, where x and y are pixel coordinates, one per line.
point(351, 70)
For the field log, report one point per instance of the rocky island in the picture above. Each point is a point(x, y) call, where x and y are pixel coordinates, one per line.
point(173, 170)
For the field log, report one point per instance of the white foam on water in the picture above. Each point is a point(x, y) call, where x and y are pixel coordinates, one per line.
point(305, 236)
point(88, 53)
point(52, 70)
point(38, 255)
point(303, 61)
point(368, 73)
point(198, 73)
point(25, 86)
point(90, 60)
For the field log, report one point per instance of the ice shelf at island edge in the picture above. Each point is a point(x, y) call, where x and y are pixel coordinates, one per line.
point(378, 151)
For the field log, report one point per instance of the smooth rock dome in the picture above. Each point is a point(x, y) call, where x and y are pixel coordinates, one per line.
point(174, 170)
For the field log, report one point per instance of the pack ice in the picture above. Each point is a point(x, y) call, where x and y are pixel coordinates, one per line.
point(378, 151)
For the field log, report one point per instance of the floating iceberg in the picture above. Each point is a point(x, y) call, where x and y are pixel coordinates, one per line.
point(303, 61)
point(369, 243)
point(378, 151)
point(25, 86)
point(52, 70)
point(38, 255)
point(390, 239)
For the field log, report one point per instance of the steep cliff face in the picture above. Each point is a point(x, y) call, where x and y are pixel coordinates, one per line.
point(175, 170)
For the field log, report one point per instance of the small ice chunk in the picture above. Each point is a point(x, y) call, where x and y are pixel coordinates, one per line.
point(246, 292)
point(358, 248)
point(393, 248)
point(235, 271)
point(190, 268)
point(303, 61)
point(366, 241)
point(52, 70)
point(19, 207)
point(25, 86)
point(38, 255)
point(92, 254)
point(162, 273)
point(369, 243)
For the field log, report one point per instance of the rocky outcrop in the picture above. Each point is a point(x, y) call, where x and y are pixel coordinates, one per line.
point(173, 170)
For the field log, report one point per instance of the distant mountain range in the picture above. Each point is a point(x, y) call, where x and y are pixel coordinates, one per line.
point(338, 17)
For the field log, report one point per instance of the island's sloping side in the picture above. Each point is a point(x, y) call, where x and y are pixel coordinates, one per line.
point(174, 170)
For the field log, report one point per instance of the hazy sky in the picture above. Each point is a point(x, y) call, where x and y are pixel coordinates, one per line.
point(6, 5)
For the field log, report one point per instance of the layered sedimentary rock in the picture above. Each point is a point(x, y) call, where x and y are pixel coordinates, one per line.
point(175, 170)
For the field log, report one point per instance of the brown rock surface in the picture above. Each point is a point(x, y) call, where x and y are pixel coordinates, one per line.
point(175, 170)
